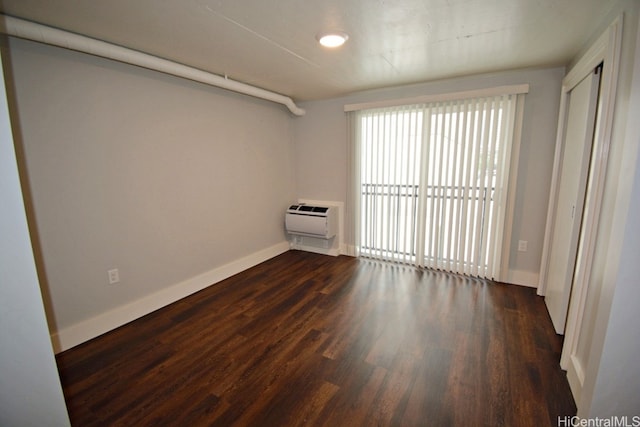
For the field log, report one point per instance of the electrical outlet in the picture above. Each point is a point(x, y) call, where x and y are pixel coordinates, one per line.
point(522, 246)
point(114, 276)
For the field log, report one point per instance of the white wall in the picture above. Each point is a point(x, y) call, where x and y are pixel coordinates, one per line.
point(30, 391)
point(321, 149)
point(617, 388)
point(170, 181)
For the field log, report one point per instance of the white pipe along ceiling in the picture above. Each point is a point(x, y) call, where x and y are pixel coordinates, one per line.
point(44, 34)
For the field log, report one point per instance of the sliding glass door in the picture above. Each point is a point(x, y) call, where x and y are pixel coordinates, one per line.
point(431, 181)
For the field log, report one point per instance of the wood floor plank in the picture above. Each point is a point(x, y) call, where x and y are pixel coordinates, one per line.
point(307, 339)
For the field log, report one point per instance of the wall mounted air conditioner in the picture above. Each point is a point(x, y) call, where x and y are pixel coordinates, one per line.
point(312, 221)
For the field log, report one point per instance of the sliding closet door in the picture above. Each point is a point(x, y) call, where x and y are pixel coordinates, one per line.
point(578, 141)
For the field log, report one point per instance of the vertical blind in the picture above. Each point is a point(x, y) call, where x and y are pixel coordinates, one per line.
point(430, 182)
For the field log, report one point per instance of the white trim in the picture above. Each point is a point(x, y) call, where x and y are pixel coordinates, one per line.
point(593, 202)
point(105, 322)
point(511, 189)
point(591, 59)
point(442, 97)
point(308, 248)
point(605, 50)
point(586, 249)
point(575, 376)
point(553, 194)
point(350, 250)
point(522, 278)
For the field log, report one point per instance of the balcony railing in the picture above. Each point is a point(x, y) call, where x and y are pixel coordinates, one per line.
point(390, 220)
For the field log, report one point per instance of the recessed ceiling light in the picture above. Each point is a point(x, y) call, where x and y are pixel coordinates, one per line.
point(332, 39)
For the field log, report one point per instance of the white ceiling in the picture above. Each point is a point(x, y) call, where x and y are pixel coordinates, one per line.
point(272, 43)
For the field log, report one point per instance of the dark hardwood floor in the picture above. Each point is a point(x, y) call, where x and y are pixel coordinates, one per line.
point(307, 339)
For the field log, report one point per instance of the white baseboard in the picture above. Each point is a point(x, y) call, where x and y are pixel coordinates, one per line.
point(315, 249)
point(522, 278)
point(83, 331)
point(575, 376)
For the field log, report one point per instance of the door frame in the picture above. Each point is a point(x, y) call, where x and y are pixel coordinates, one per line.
point(606, 50)
point(575, 165)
